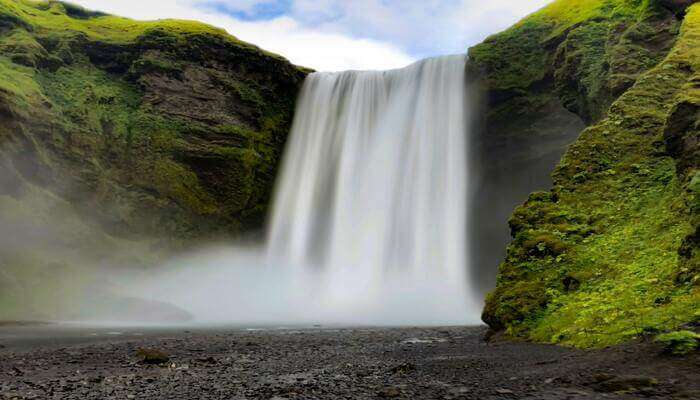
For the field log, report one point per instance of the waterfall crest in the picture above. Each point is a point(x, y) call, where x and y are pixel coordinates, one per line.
point(372, 195)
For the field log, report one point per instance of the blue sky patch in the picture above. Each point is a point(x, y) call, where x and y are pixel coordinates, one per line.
point(261, 11)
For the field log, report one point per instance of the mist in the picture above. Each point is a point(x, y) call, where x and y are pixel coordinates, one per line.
point(369, 226)
point(369, 218)
point(236, 285)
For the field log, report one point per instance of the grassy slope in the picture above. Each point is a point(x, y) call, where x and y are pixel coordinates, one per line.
point(596, 260)
point(66, 19)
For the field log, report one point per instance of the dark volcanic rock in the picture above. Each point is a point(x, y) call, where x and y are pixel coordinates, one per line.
point(336, 364)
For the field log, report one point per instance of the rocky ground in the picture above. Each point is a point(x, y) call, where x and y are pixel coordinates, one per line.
point(417, 363)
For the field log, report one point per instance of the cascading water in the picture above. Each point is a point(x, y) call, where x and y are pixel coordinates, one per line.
point(372, 194)
point(369, 218)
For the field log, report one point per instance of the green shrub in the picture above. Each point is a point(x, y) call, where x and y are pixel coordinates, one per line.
point(679, 343)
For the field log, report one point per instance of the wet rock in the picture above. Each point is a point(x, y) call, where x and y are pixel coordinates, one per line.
point(624, 383)
point(152, 356)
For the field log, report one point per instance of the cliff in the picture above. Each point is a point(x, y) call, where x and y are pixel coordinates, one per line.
point(120, 138)
point(611, 251)
point(169, 128)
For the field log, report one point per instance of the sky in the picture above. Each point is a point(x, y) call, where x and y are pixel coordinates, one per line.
point(333, 35)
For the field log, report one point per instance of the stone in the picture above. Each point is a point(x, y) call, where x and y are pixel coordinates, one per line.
point(625, 383)
point(152, 356)
point(389, 392)
point(403, 368)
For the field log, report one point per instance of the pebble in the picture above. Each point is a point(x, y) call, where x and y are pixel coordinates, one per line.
point(343, 364)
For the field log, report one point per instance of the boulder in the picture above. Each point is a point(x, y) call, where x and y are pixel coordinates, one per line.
point(152, 356)
point(611, 383)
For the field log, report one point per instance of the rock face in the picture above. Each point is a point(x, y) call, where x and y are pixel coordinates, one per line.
point(622, 218)
point(167, 129)
point(677, 6)
point(544, 80)
point(119, 139)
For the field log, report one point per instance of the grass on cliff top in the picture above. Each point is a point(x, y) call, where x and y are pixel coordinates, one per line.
point(563, 14)
point(595, 262)
point(518, 57)
point(55, 16)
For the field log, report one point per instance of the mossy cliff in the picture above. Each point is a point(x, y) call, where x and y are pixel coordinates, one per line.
point(168, 128)
point(119, 139)
point(611, 251)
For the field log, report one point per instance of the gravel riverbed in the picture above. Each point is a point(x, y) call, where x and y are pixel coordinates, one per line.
point(324, 363)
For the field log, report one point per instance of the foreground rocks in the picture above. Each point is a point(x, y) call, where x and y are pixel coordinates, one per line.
point(451, 363)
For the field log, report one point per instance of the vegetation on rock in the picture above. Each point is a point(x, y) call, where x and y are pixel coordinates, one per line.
point(121, 138)
point(680, 342)
point(170, 128)
point(611, 252)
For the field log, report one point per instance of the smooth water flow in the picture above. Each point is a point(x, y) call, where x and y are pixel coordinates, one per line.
point(369, 217)
point(372, 194)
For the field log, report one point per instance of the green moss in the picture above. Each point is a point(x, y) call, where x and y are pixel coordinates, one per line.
point(156, 63)
point(175, 181)
point(519, 56)
point(522, 43)
point(679, 343)
point(596, 261)
point(55, 16)
point(91, 100)
point(582, 54)
point(17, 84)
point(84, 94)
point(102, 154)
point(22, 48)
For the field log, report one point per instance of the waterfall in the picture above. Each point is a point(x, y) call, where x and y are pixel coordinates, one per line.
point(372, 195)
point(369, 218)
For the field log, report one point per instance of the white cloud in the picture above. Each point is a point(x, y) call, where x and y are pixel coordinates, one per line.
point(421, 27)
point(346, 34)
point(323, 51)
